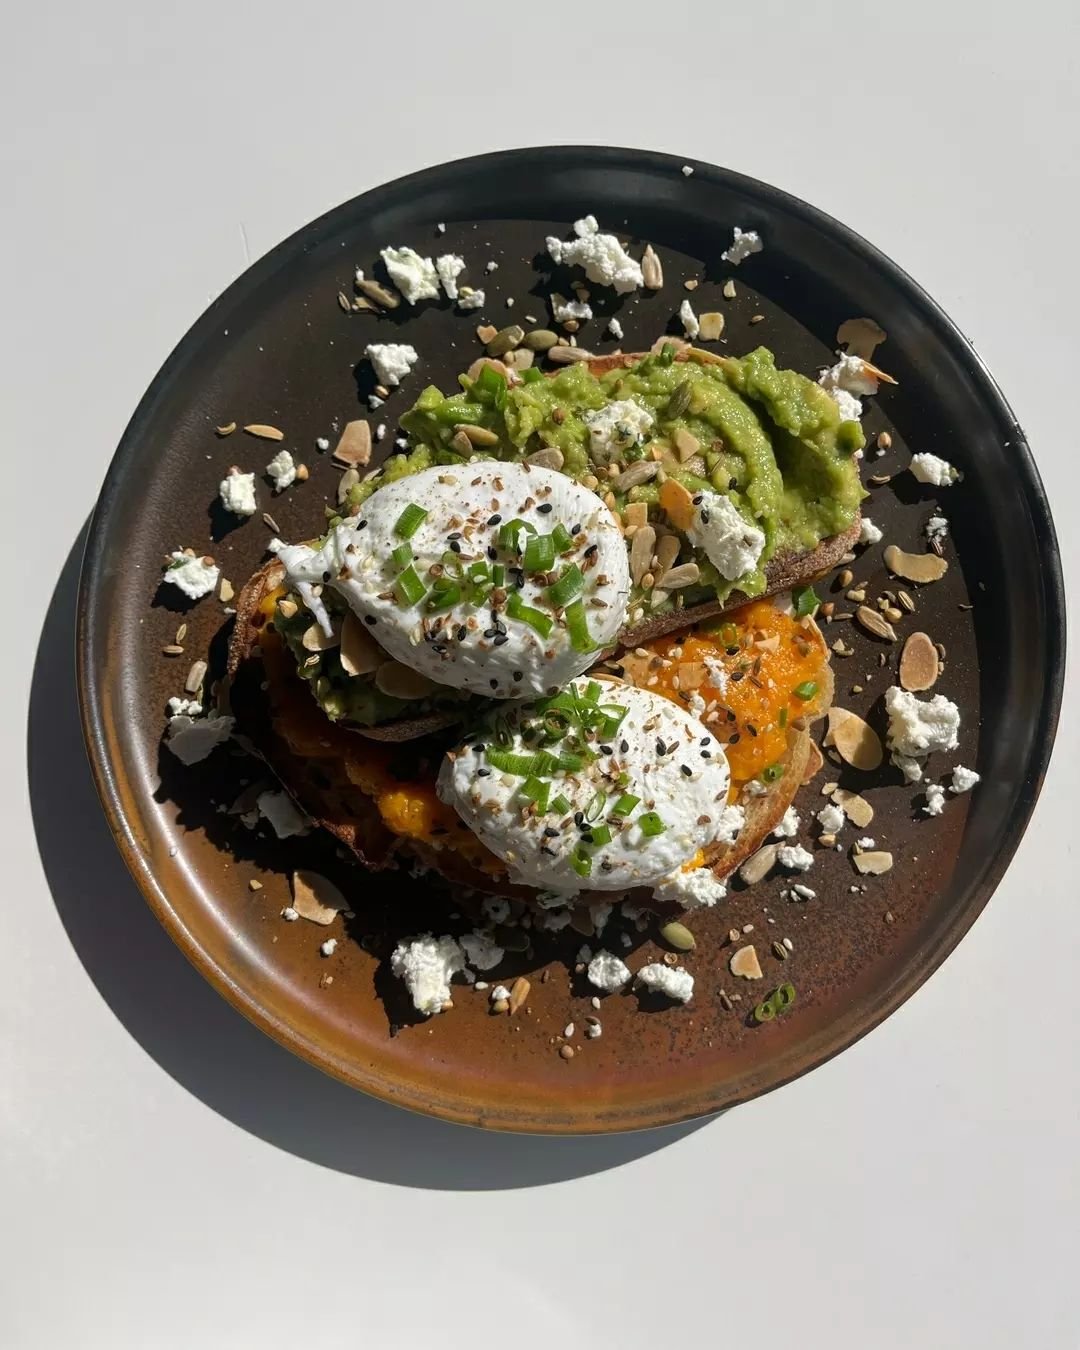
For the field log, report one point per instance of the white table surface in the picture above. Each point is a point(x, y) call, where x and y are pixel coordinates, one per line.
point(171, 1178)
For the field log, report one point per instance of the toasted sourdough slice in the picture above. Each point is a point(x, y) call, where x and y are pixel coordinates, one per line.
point(322, 765)
point(782, 572)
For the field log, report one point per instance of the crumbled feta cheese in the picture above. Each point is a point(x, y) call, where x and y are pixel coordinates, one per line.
point(869, 532)
point(374, 401)
point(909, 767)
point(599, 914)
point(415, 277)
point(729, 541)
point(743, 243)
point(931, 469)
point(329, 947)
point(788, 825)
point(499, 992)
point(481, 951)
point(237, 494)
point(282, 469)
point(607, 972)
point(282, 813)
point(718, 678)
point(380, 431)
point(191, 739)
point(496, 908)
point(831, 819)
point(963, 780)
point(753, 788)
point(474, 300)
point(935, 800)
point(689, 320)
point(794, 857)
point(693, 889)
point(918, 728)
point(672, 981)
point(426, 964)
point(191, 707)
point(687, 170)
point(491, 266)
point(392, 361)
point(615, 329)
point(563, 309)
point(584, 955)
point(866, 842)
point(849, 405)
point(196, 577)
point(937, 527)
point(553, 921)
point(849, 374)
point(801, 892)
point(322, 443)
point(618, 425)
point(441, 227)
point(594, 1029)
point(604, 259)
point(289, 914)
point(449, 267)
point(728, 827)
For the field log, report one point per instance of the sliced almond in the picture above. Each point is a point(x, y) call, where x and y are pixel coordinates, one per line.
point(316, 899)
point(745, 964)
point(641, 551)
point(399, 681)
point(354, 447)
point(872, 621)
point(857, 743)
point(651, 271)
point(360, 654)
point(564, 355)
point(861, 337)
point(226, 430)
point(918, 567)
point(315, 640)
point(195, 677)
point(519, 992)
point(485, 332)
point(264, 432)
point(226, 591)
point(878, 374)
point(815, 762)
point(636, 514)
point(758, 866)
point(857, 809)
point(710, 326)
point(873, 863)
point(918, 663)
point(686, 443)
point(684, 575)
point(692, 675)
point(549, 458)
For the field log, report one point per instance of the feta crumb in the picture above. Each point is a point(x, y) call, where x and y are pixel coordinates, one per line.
point(909, 767)
point(374, 401)
point(441, 227)
point(282, 813)
point(693, 889)
point(322, 443)
point(380, 431)
point(866, 842)
point(191, 707)
point(496, 908)
point(584, 955)
point(474, 300)
point(426, 964)
point(500, 991)
point(415, 277)
point(617, 426)
point(931, 469)
point(196, 577)
point(918, 728)
point(191, 740)
point(563, 309)
point(481, 951)
point(869, 532)
point(392, 361)
point(282, 469)
point(849, 405)
point(553, 921)
point(607, 972)
point(604, 259)
point(729, 826)
point(599, 914)
point(237, 494)
point(743, 243)
point(491, 266)
point(935, 800)
point(687, 170)
point(849, 374)
point(801, 892)
point(593, 1029)
point(289, 914)
point(689, 320)
point(673, 981)
point(937, 527)
point(449, 267)
point(831, 819)
point(787, 827)
point(329, 947)
point(615, 329)
point(794, 857)
point(963, 780)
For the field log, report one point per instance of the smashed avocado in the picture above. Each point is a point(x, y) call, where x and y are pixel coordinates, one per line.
point(770, 440)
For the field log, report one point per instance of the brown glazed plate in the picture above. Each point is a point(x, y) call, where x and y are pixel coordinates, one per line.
point(276, 348)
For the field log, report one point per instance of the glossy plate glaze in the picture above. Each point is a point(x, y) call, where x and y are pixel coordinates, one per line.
point(276, 348)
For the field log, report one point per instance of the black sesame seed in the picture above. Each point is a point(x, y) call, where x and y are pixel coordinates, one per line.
point(550, 833)
point(362, 525)
point(704, 517)
point(733, 483)
point(661, 748)
point(586, 837)
point(579, 818)
point(685, 770)
point(494, 683)
point(479, 748)
point(624, 746)
point(483, 773)
point(544, 848)
point(606, 864)
point(454, 534)
point(732, 651)
point(544, 508)
point(737, 675)
point(706, 754)
point(495, 519)
point(698, 499)
point(455, 547)
point(607, 749)
point(489, 632)
point(575, 529)
point(592, 550)
point(751, 728)
point(501, 639)
point(705, 740)
point(371, 619)
point(518, 675)
point(734, 738)
point(492, 553)
point(462, 632)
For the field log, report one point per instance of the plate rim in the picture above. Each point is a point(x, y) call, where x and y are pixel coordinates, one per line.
point(89, 622)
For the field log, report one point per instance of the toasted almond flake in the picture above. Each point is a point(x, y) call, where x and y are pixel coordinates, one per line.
point(288, 608)
point(745, 964)
point(316, 899)
point(315, 640)
point(519, 992)
point(264, 432)
point(815, 762)
point(684, 575)
point(710, 326)
point(255, 885)
point(878, 374)
point(226, 591)
point(873, 863)
point(226, 430)
point(485, 332)
point(857, 743)
point(399, 681)
point(652, 272)
point(921, 568)
point(354, 445)
point(861, 337)
point(360, 654)
point(872, 621)
point(919, 666)
point(758, 866)
point(857, 809)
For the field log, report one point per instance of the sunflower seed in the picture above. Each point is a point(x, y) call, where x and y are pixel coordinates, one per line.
point(226, 430)
point(641, 472)
point(641, 550)
point(906, 601)
point(872, 621)
point(684, 575)
point(677, 935)
point(567, 356)
point(651, 271)
point(344, 302)
point(477, 435)
point(172, 649)
point(195, 677)
point(519, 992)
point(667, 550)
point(387, 299)
point(540, 340)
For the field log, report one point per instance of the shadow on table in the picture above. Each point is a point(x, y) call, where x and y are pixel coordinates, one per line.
point(190, 1030)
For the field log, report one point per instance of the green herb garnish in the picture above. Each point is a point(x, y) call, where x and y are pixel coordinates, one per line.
point(410, 521)
point(651, 824)
point(625, 804)
point(577, 626)
point(805, 601)
point(570, 584)
point(539, 553)
point(806, 690)
point(408, 588)
point(536, 619)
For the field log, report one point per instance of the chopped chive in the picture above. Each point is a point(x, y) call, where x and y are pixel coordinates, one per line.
point(506, 761)
point(571, 763)
point(783, 717)
point(410, 521)
point(592, 692)
point(806, 690)
point(490, 386)
point(651, 824)
point(560, 805)
point(569, 585)
point(479, 571)
point(408, 588)
point(601, 834)
point(498, 574)
point(581, 863)
point(536, 619)
point(510, 534)
point(805, 600)
point(625, 804)
point(445, 596)
point(667, 354)
point(595, 807)
point(578, 627)
point(772, 773)
point(539, 553)
point(402, 555)
point(536, 790)
point(528, 376)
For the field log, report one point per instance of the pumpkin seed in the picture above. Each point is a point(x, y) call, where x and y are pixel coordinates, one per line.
point(374, 291)
point(677, 935)
point(684, 575)
point(710, 326)
point(918, 663)
point(540, 340)
point(679, 401)
point(651, 271)
point(399, 681)
point(563, 355)
point(264, 432)
point(506, 339)
point(758, 866)
point(643, 471)
point(354, 445)
point(360, 654)
point(477, 435)
point(873, 863)
point(519, 992)
point(857, 743)
point(745, 964)
point(872, 621)
point(918, 567)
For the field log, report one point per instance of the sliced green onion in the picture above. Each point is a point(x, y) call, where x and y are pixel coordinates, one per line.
point(402, 555)
point(783, 717)
point(784, 996)
point(625, 804)
point(569, 585)
point(562, 539)
point(536, 790)
point(651, 824)
point(601, 834)
point(595, 808)
point(806, 690)
point(592, 692)
point(560, 805)
point(539, 553)
point(581, 863)
point(772, 773)
point(444, 596)
point(408, 588)
point(536, 619)
point(667, 354)
point(571, 763)
point(729, 634)
point(510, 534)
point(410, 521)
point(805, 600)
point(506, 761)
point(490, 386)
point(498, 574)
point(479, 571)
point(528, 376)
point(577, 626)
point(765, 1012)
point(452, 561)
point(613, 719)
